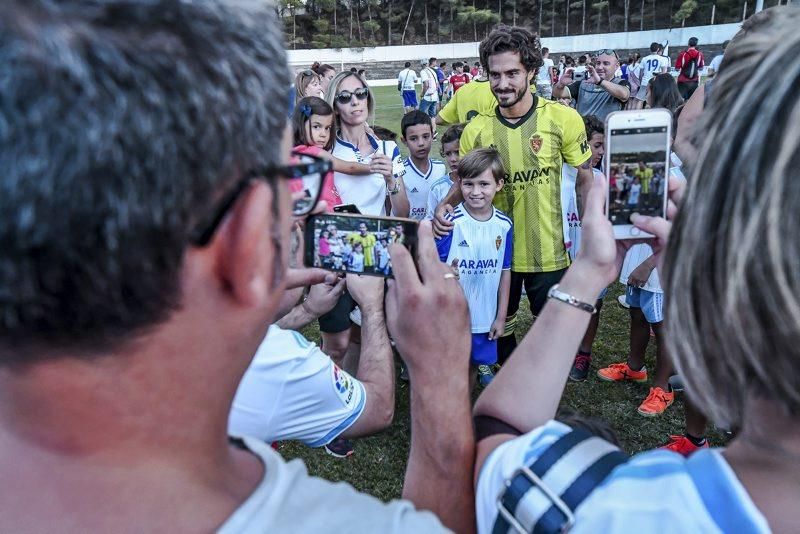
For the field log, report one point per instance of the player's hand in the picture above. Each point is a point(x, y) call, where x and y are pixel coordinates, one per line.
point(436, 352)
point(367, 291)
point(441, 226)
point(323, 297)
point(381, 164)
point(566, 78)
point(593, 76)
point(497, 329)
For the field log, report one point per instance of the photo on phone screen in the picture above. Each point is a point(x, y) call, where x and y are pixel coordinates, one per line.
point(637, 172)
point(356, 243)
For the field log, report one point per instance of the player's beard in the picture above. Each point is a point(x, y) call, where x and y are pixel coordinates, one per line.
point(519, 95)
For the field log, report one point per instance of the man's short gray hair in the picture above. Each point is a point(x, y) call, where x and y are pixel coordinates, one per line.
point(121, 122)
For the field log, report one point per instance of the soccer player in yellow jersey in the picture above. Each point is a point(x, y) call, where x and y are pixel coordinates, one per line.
point(534, 137)
point(367, 241)
point(644, 174)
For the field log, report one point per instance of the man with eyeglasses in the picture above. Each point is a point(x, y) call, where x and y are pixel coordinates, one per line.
point(144, 254)
point(601, 92)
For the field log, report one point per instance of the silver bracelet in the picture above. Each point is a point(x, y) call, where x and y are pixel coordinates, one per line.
point(396, 187)
point(566, 298)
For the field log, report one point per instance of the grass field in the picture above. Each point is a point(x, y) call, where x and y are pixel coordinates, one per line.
point(378, 465)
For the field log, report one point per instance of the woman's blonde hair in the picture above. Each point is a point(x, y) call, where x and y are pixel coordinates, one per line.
point(303, 80)
point(333, 90)
point(733, 264)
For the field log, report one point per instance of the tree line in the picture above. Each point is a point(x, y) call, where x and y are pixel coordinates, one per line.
point(366, 23)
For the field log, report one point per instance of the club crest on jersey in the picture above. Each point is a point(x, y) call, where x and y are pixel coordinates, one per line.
point(497, 242)
point(536, 143)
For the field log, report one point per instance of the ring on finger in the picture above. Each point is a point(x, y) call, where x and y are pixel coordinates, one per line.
point(448, 276)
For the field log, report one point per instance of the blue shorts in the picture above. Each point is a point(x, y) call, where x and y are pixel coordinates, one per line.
point(429, 107)
point(410, 98)
point(652, 304)
point(484, 350)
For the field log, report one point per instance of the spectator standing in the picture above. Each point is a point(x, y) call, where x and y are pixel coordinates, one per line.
point(690, 63)
point(579, 73)
point(459, 78)
point(430, 92)
point(601, 92)
point(713, 68)
point(544, 79)
point(441, 78)
point(407, 85)
point(325, 73)
point(652, 64)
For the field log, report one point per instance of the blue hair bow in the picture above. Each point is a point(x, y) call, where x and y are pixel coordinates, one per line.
point(305, 109)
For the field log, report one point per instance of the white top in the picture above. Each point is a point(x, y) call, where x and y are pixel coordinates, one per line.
point(356, 262)
point(292, 390)
point(429, 75)
point(407, 78)
point(634, 258)
point(543, 76)
point(569, 198)
point(482, 250)
point(715, 63)
point(655, 491)
point(418, 185)
point(367, 192)
point(439, 190)
point(652, 65)
point(633, 195)
point(289, 500)
point(579, 73)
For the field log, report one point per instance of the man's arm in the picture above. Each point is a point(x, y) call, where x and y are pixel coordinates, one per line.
point(441, 225)
point(619, 91)
point(561, 89)
point(321, 299)
point(439, 472)
point(376, 365)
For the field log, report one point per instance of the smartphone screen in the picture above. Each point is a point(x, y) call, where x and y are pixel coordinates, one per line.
point(637, 169)
point(356, 243)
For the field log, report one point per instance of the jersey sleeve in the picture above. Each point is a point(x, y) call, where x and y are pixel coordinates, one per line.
point(469, 137)
point(449, 113)
point(509, 249)
point(430, 209)
point(575, 146)
point(443, 246)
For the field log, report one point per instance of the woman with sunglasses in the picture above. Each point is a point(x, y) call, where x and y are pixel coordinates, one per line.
point(308, 83)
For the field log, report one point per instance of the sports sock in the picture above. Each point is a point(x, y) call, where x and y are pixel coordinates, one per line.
point(697, 442)
point(584, 353)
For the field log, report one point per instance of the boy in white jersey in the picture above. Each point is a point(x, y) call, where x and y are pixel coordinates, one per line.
point(420, 171)
point(479, 248)
point(452, 155)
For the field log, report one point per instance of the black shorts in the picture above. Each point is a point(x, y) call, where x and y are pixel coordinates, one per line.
point(338, 319)
point(536, 287)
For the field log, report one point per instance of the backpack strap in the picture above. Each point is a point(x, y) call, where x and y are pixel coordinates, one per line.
point(543, 496)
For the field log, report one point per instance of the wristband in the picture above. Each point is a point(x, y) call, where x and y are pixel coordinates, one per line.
point(396, 188)
point(566, 298)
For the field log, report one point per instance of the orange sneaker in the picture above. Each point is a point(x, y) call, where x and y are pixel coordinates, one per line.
point(618, 372)
point(656, 402)
point(683, 445)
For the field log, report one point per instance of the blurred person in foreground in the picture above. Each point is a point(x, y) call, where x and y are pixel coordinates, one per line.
point(733, 327)
point(144, 223)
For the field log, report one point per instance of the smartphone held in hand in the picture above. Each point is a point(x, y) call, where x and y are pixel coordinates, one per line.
point(355, 243)
point(638, 145)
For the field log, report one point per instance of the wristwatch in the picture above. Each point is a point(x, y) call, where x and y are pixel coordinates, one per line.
point(566, 298)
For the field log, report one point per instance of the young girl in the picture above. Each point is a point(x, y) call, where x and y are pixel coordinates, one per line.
point(356, 261)
point(312, 122)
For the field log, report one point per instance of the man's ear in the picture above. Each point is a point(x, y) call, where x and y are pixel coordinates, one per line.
point(248, 250)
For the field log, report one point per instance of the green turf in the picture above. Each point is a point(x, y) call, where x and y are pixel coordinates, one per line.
point(378, 465)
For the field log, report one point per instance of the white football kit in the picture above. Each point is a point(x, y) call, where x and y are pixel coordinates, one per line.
point(418, 185)
point(439, 190)
point(481, 250)
point(292, 390)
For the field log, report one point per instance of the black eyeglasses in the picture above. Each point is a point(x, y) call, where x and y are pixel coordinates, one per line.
point(305, 183)
point(608, 52)
point(345, 97)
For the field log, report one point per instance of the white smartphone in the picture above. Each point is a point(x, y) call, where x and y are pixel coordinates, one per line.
point(637, 151)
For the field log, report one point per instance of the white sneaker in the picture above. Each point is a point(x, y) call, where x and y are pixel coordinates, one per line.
point(355, 316)
point(622, 302)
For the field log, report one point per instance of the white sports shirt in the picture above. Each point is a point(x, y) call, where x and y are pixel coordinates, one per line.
point(543, 76)
point(429, 75)
point(571, 218)
point(418, 185)
point(439, 190)
point(367, 192)
point(655, 491)
point(292, 390)
point(483, 250)
point(408, 79)
point(652, 65)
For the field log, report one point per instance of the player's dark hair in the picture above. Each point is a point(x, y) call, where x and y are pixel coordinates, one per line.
point(593, 125)
point(512, 39)
point(453, 133)
point(477, 161)
point(310, 105)
point(408, 64)
point(458, 65)
point(582, 59)
point(545, 50)
point(654, 47)
point(692, 41)
point(414, 118)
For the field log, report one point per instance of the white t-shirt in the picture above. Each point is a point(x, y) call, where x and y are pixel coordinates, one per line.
point(633, 195)
point(652, 65)
point(432, 93)
point(439, 190)
point(634, 258)
point(292, 390)
point(544, 72)
point(715, 63)
point(356, 263)
point(367, 192)
point(289, 500)
point(483, 250)
point(408, 79)
point(418, 185)
point(655, 491)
